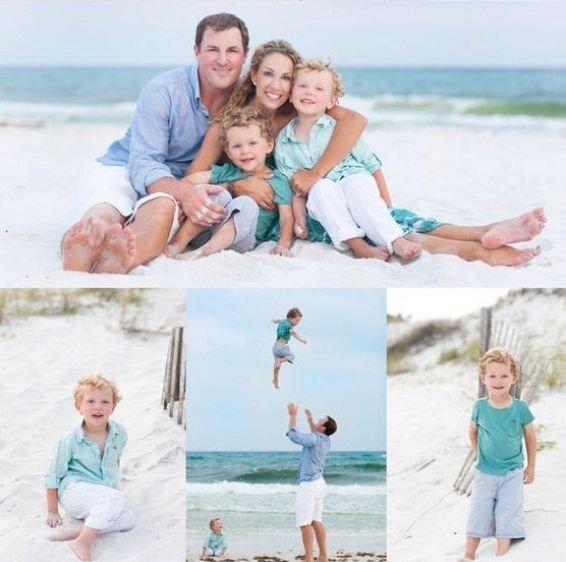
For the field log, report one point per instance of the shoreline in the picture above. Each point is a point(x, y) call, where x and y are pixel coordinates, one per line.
point(339, 556)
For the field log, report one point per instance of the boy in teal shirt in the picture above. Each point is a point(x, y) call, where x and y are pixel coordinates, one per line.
point(248, 139)
point(83, 475)
point(281, 351)
point(215, 543)
point(497, 427)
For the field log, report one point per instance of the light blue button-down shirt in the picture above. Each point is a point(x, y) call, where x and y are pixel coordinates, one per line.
point(166, 132)
point(78, 459)
point(313, 456)
point(292, 154)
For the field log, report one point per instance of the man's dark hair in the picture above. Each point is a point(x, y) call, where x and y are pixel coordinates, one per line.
point(222, 22)
point(330, 426)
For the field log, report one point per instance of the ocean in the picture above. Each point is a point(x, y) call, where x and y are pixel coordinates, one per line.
point(523, 99)
point(254, 492)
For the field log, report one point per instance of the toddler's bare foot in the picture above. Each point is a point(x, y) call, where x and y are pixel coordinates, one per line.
point(375, 252)
point(65, 533)
point(172, 250)
point(406, 249)
point(82, 245)
point(81, 549)
point(118, 252)
point(300, 229)
point(519, 229)
point(511, 256)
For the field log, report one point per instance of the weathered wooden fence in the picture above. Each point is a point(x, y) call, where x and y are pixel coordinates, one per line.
point(175, 378)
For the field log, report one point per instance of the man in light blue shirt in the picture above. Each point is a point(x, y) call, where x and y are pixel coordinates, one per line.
point(312, 487)
point(167, 130)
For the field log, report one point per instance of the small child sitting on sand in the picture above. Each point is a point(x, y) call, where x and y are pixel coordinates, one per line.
point(281, 351)
point(215, 543)
point(84, 473)
point(499, 423)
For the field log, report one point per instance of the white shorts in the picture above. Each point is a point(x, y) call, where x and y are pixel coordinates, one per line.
point(174, 225)
point(309, 502)
point(101, 507)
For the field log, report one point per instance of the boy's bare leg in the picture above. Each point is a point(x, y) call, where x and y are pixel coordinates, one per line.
point(472, 544)
point(503, 546)
point(223, 238)
point(140, 242)
point(81, 546)
point(82, 243)
point(518, 229)
point(307, 534)
point(188, 231)
point(474, 251)
point(406, 249)
point(276, 369)
point(300, 215)
point(65, 533)
point(320, 533)
point(362, 249)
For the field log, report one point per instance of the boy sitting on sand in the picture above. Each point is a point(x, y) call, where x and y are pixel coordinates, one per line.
point(83, 475)
point(498, 425)
point(215, 543)
point(281, 351)
point(247, 139)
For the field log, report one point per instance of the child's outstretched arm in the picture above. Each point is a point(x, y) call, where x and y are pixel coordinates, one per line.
point(286, 233)
point(382, 187)
point(531, 445)
point(310, 420)
point(297, 337)
point(53, 517)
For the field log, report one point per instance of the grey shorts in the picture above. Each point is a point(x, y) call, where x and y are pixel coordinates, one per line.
point(497, 506)
point(282, 351)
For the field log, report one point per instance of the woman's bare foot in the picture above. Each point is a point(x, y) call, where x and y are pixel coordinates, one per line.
point(300, 229)
point(81, 549)
point(82, 245)
point(406, 249)
point(509, 256)
point(65, 533)
point(519, 229)
point(118, 252)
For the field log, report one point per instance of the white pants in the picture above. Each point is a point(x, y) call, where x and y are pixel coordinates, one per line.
point(309, 502)
point(352, 208)
point(101, 507)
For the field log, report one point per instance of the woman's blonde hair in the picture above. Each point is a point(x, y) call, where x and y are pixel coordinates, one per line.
point(499, 355)
point(320, 65)
point(95, 382)
point(245, 91)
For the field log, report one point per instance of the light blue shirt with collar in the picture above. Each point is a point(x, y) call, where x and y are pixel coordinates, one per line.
point(292, 154)
point(166, 132)
point(78, 459)
point(315, 448)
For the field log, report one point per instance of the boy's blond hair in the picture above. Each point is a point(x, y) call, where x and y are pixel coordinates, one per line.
point(499, 355)
point(213, 521)
point(294, 312)
point(320, 65)
point(95, 382)
point(245, 117)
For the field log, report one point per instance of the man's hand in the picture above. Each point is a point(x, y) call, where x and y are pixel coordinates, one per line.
point(302, 181)
point(258, 189)
point(308, 414)
point(292, 408)
point(529, 474)
point(54, 519)
point(197, 205)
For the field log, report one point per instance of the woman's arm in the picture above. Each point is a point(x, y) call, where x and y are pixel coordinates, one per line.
point(349, 128)
point(210, 152)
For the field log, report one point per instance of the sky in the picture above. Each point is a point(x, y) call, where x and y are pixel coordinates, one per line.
point(427, 304)
point(340, 372)
point(350, 32)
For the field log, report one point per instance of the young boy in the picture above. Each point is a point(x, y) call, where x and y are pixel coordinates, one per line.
point(345, 202)
point(498, 425)
point(247, 139)
point(281, 351)
point(83, 475)
point(215, 543)
point(312, 487)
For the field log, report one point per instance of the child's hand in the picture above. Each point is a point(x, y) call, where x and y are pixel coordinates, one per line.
point(281, 251)
point(53, 519)
point(292, 408)
point(529, 475)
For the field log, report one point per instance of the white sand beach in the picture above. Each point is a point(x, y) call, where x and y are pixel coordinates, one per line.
point(457, 175)
point(428, 416)
point(42, 357)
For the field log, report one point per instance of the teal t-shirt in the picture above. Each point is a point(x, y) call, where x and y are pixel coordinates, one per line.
point(500, 435)
point(284, 330)
point(268, 221)
point(216, 542)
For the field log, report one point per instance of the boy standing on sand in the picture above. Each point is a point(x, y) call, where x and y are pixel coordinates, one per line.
point(83, 475)
point(498, 425)
point(312, 487)
point(281, 351)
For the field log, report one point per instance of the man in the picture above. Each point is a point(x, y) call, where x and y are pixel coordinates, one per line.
point(312, 487)
point(169, 124)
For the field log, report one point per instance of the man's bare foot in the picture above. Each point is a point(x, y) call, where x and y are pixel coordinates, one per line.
point(511, 256)
point(519, 229)
point(118, 251)
point(81, 549)
point(406, 249)
point(300, 229)
point(65, 533)
point(82, 245)
point(375, 252)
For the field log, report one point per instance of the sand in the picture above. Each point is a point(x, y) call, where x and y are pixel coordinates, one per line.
point(459, 176)
point(42, 356)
